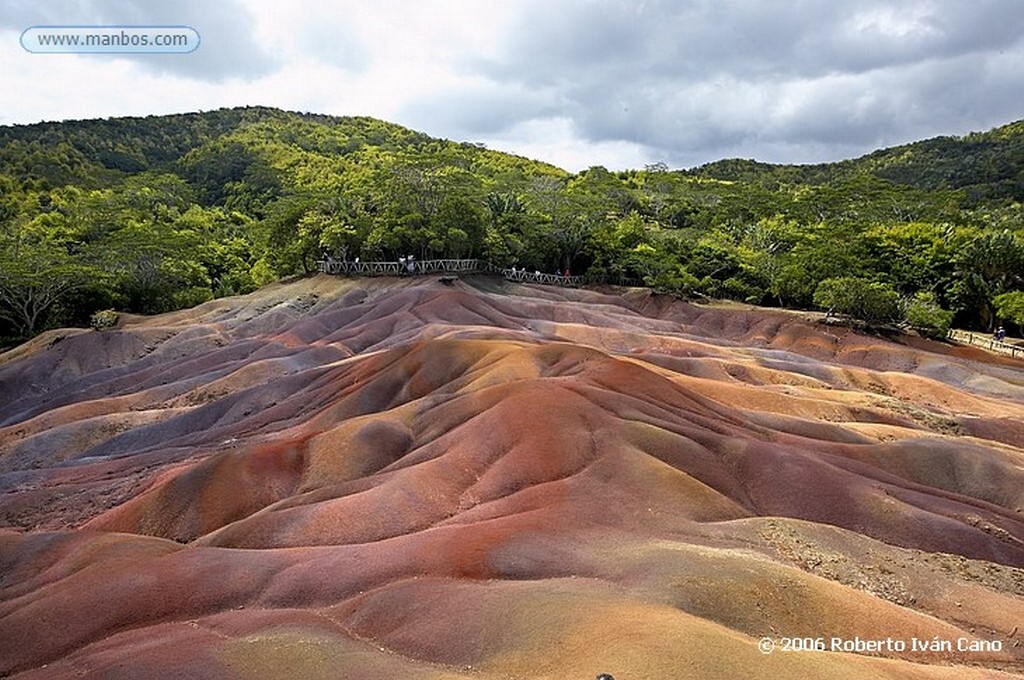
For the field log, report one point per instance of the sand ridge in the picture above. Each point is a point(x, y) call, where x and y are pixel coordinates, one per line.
point(399, 478)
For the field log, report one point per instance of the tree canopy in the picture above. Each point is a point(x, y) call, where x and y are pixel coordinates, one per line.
point(157, 213)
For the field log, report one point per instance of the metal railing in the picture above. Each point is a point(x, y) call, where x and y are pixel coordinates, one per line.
point(986, 341)
point(414, 267)
point(539, 277)
point(409, 267)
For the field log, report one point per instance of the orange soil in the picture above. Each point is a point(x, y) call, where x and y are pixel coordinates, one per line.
point(401, 479)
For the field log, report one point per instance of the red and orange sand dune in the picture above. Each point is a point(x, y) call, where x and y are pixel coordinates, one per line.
point(402, 479)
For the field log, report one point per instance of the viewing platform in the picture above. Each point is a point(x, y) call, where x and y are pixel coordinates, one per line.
point(414, 267)
point(987, 342)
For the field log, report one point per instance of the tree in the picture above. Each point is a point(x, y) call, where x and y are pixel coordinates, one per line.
point(989, 265)
point(914, 256)
point(458, 227)
point(231, 171)
point(501, 204)
point(290, 251)
point(868, 301)
point(1010, 307)
point(36, 274)
point(925, 316)
point(613, 246)
point(31, 288)
point(822, 252)
point(761, 249)
point(659, 270)
point(155, 266)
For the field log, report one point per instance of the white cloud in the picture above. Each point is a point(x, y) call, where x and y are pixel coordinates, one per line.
point(556, 141)
point(226, 28)
point(575, 82)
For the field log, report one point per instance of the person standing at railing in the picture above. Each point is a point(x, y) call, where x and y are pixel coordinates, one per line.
point(1000, 334)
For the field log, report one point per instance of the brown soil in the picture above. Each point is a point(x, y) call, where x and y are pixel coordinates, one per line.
point(404, 479)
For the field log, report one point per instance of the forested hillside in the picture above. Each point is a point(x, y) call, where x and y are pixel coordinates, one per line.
point(989, 166)
point(158, 213)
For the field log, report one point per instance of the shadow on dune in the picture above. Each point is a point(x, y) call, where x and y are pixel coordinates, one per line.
point(403, 479)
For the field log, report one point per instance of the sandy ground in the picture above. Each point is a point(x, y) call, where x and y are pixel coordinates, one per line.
point(403, 479)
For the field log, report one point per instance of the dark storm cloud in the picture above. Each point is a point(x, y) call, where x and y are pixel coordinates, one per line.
point(227, 48)
point(695, 81)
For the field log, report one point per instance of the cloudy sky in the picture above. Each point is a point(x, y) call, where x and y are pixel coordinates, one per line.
point(618, 83)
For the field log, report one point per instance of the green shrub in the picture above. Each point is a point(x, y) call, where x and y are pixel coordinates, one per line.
point(1010, 306)
point(673, 280)
point(192, 296)
point(104, 319)
point(735, 288)
point(925, 316)
point(868, 301)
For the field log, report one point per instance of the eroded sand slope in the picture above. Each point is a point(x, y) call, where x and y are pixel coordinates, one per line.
point(402, 479)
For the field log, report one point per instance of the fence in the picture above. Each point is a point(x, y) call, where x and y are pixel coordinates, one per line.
point(538, 277)
point(415, 267)
point(986, 341)
point(402, 268)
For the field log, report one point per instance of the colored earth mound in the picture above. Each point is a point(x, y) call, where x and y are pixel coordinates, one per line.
point(404, 479)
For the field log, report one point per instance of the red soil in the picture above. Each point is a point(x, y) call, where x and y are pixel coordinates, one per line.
point(400, 479)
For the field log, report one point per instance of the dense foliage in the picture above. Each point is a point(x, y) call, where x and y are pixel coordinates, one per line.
point(158, 213)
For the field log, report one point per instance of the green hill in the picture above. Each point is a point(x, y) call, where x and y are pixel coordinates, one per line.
point(987, 166)
point(163, 212)
point(95, 152)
